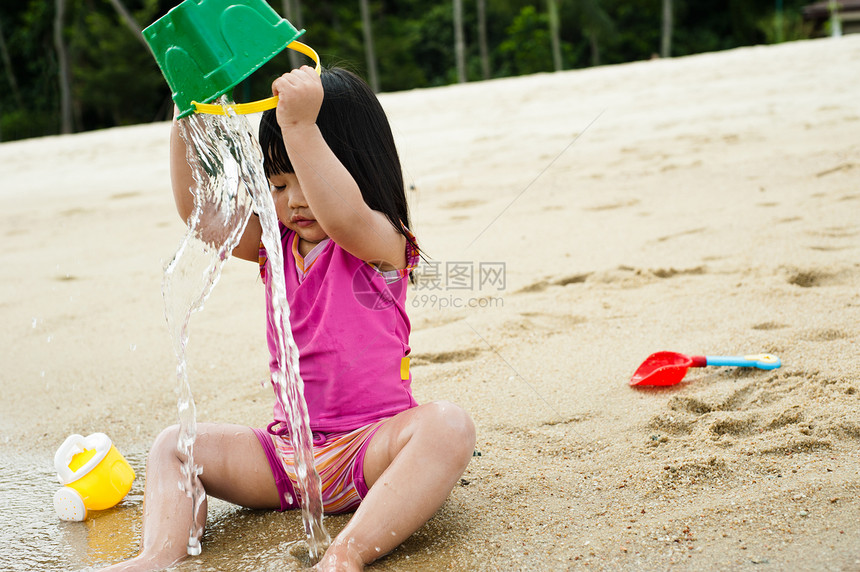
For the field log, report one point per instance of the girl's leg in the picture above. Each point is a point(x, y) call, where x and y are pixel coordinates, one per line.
point(234, 469)
point(411, 465)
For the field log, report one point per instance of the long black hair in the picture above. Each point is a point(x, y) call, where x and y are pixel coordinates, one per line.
point(355, 127)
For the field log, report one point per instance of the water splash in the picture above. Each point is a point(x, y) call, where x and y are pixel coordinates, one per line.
point(216, 224)
point(227, 167)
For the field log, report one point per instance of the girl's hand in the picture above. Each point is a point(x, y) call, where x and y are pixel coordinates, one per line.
point(300, 95)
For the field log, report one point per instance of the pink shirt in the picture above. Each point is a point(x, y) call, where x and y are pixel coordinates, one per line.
point(349, 322)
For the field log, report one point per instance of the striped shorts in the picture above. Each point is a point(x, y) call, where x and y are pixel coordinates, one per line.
point(338, 458)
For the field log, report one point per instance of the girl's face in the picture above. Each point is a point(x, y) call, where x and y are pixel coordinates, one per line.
point(292, 208)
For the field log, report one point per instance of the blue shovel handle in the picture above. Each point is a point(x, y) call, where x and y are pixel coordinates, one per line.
point(761, 361)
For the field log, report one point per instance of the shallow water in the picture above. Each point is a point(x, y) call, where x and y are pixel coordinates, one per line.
point(32, 537)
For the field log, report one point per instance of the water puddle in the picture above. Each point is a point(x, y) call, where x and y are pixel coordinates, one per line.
point(228, 171)
point(33, 538)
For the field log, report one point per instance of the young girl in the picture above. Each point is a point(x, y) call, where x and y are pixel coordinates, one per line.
point(338, 191)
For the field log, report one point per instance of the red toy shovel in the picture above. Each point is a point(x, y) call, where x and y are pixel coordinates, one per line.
point(669, 368)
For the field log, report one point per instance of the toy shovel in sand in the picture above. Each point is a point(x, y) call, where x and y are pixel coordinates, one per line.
point(669, 368)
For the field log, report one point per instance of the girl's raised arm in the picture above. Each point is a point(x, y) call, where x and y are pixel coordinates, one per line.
point(180, 174)
point(330, 190)
point(182, 182)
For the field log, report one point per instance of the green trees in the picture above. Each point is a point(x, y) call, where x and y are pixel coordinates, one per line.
point(78, 68)
point(74, 65)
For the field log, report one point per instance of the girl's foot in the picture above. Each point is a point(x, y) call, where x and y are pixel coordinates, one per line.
point(341, 556)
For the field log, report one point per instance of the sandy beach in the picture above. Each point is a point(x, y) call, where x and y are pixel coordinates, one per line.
point(574, 223)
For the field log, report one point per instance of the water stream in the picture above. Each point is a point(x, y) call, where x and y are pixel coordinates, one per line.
point(230, 184)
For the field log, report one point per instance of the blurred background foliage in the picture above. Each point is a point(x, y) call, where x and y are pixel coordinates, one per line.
point(85, 59)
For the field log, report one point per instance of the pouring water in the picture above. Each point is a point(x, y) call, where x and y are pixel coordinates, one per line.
point(230, 184)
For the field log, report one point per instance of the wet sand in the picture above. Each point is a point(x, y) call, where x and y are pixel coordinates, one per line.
point(576, 223)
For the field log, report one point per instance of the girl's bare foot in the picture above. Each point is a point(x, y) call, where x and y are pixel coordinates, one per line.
point(341, 556)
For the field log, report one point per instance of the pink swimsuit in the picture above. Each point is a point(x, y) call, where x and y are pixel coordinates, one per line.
point(349, 322)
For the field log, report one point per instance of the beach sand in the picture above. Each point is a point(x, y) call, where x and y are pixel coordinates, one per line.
point(574, 223)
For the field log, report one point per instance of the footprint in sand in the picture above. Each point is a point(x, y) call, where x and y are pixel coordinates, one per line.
point(76, 211)
point(613, 206)
point(834, 232)
point(629, 277)
point(750, 415)
point(769, 326)
point(789, 219)
point(836, 169)
point(814, 278)
point(682, 233)
point(542, 285)
point(125, 195)
point(464, 204)
point(436, 321)
point(445, 357)
point(551, 323)
point(824, 335)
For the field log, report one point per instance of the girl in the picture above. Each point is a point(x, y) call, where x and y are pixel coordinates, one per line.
point(338, 191)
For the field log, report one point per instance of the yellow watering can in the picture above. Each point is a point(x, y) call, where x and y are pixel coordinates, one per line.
point(94, 474)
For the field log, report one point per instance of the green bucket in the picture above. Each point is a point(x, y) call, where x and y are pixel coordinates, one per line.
point(205, 48)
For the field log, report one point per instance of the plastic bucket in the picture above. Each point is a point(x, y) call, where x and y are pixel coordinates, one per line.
point(94, 468)
point(205, 48)
point(107, 483)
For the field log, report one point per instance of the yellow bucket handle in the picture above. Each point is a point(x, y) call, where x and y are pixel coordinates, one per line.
point(263, 104)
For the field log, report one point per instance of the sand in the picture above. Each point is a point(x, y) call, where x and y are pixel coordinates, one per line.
point(706, 205)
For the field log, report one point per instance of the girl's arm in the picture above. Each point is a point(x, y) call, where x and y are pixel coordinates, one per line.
point(180, 173)
point(331, 192)
point(182, 183)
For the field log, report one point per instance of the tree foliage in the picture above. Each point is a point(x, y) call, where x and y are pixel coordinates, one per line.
point(115, 81)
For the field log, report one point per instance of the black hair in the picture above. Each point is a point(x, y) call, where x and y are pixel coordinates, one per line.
point(355, 127)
